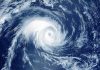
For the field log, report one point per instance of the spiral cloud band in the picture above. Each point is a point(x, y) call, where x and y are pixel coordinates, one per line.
point(45, 33)
point(49, 35)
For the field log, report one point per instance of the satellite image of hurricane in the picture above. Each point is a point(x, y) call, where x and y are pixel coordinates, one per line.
point(49, 34)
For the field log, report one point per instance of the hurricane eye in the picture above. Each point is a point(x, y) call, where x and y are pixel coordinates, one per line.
point(50, 36)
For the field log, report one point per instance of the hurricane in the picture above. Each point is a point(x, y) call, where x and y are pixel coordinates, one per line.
point(49, 35)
